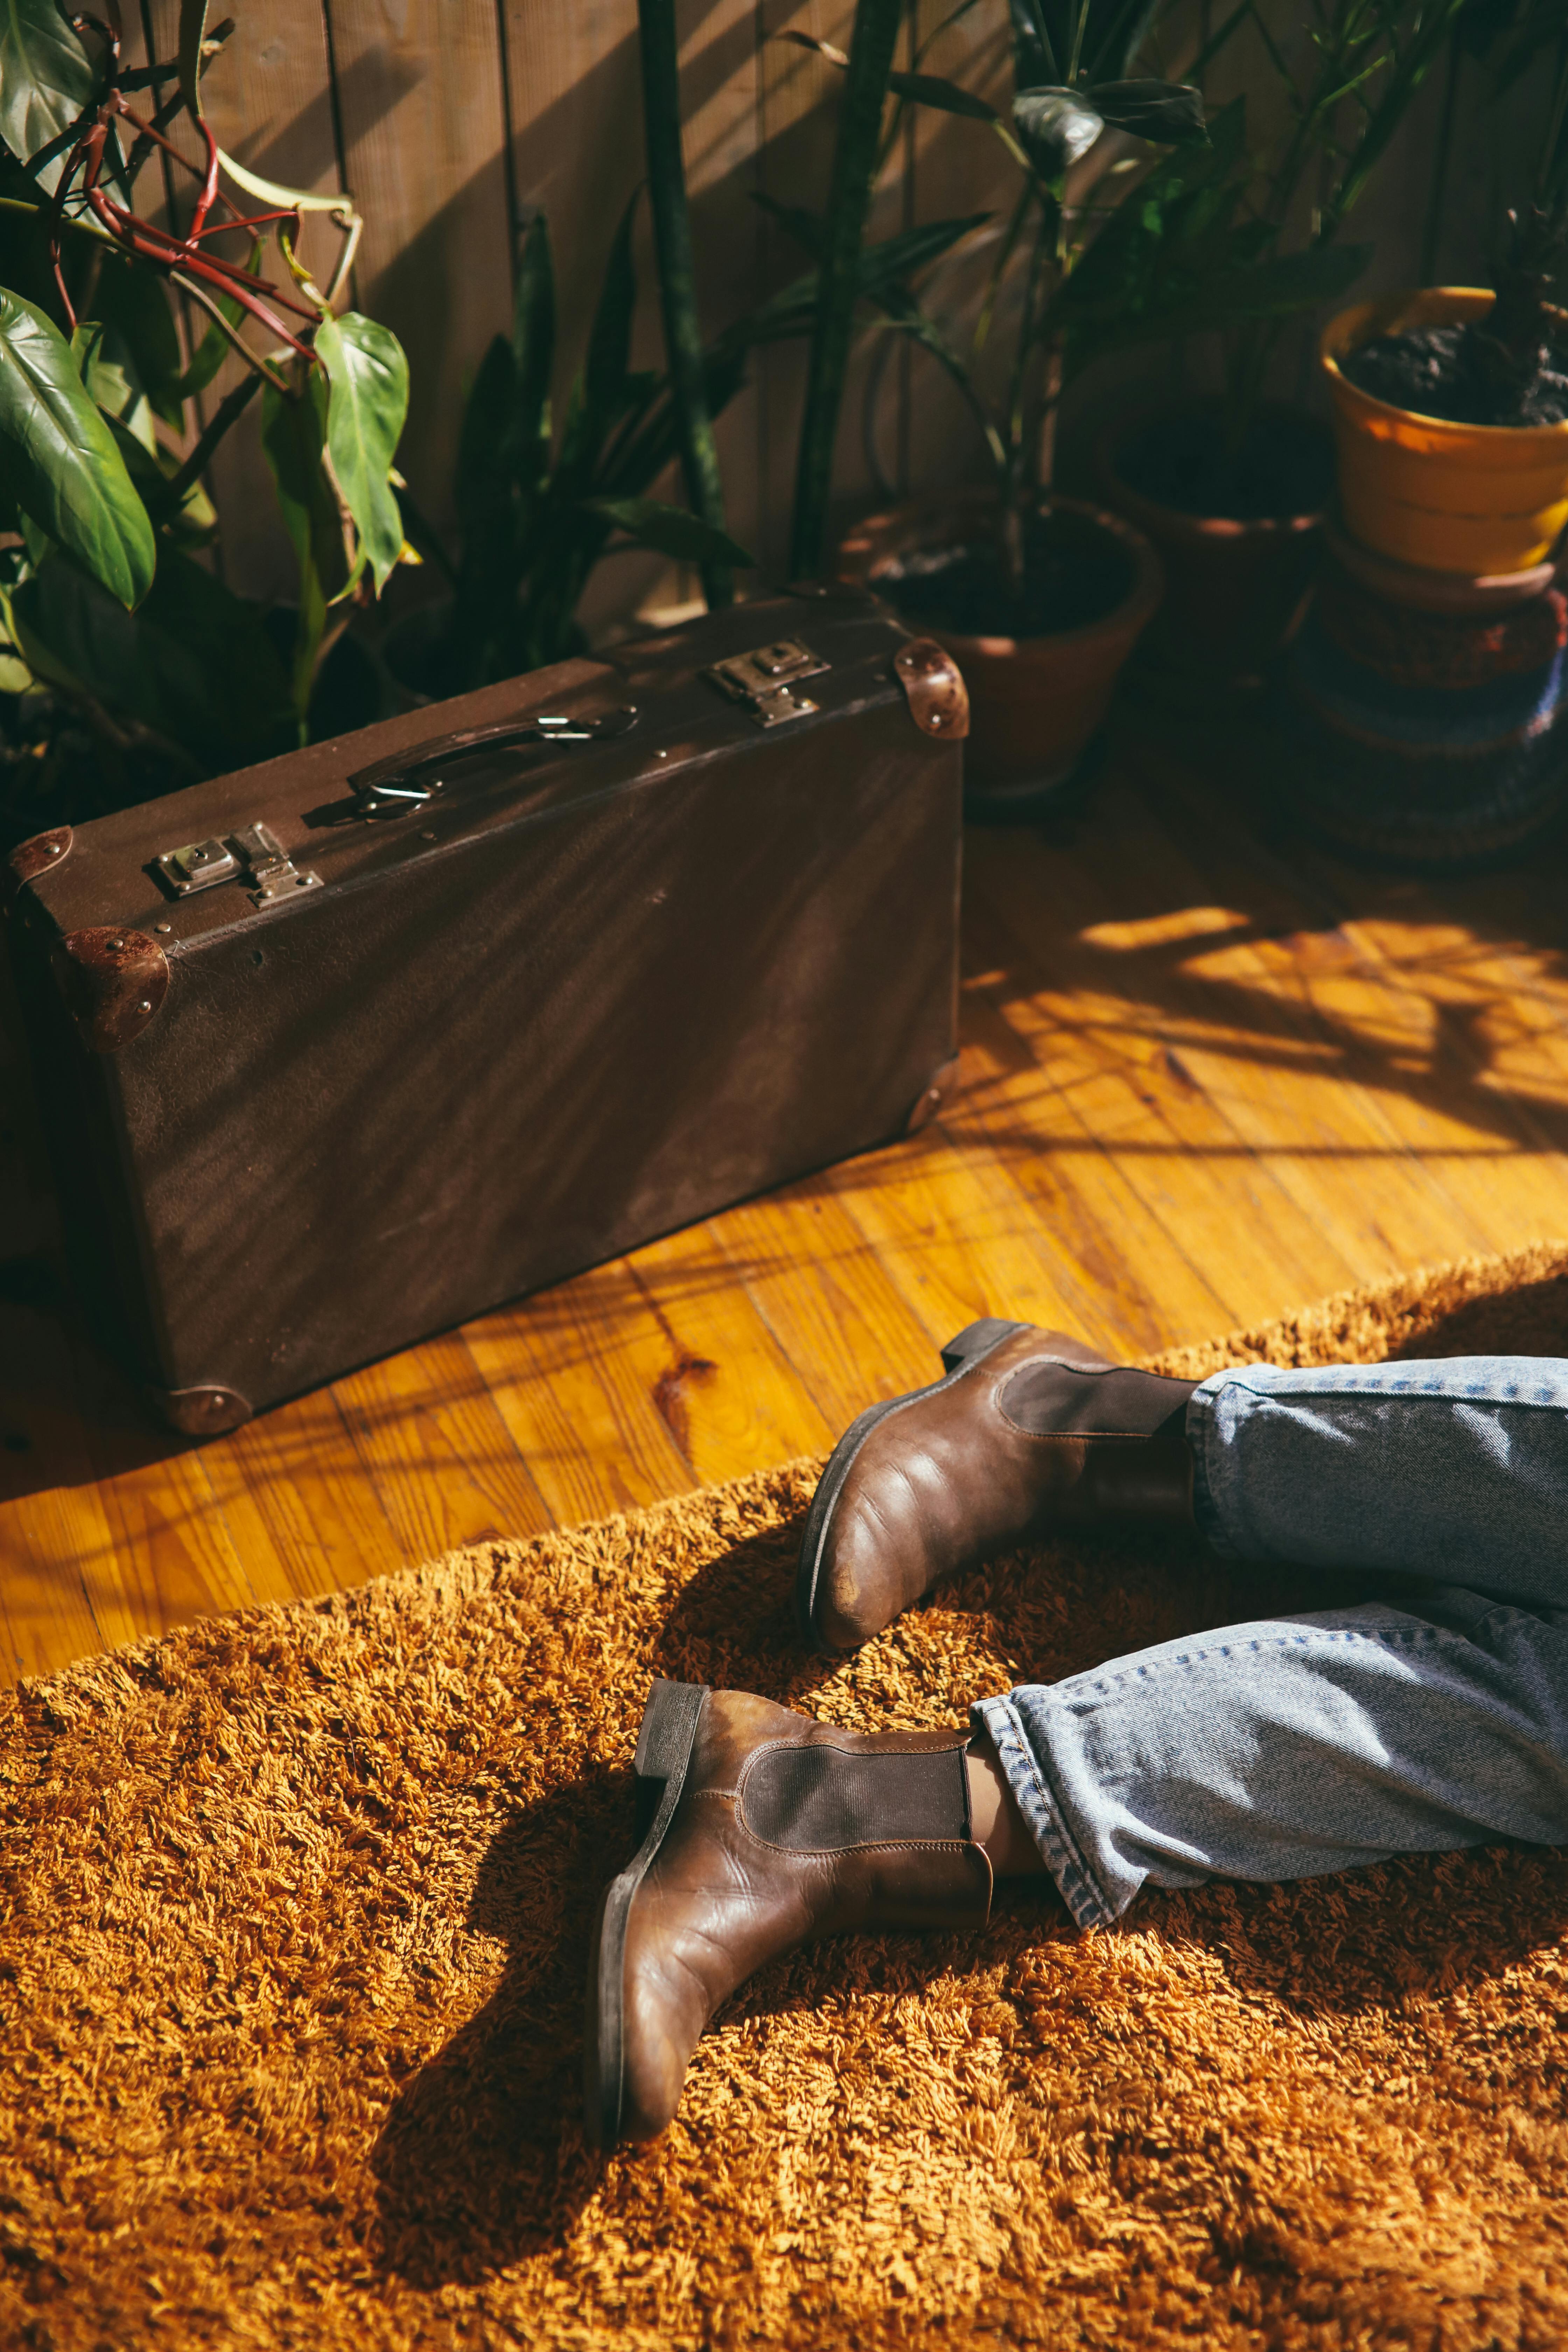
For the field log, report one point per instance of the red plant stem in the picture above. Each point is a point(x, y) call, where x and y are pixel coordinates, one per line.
point(246, 221)
point(150, 244)
point(208, 196)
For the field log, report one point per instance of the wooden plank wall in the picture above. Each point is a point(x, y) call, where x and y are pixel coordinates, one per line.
point(453, 120)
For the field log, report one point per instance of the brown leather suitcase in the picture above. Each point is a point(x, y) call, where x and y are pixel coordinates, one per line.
point(341, 1050)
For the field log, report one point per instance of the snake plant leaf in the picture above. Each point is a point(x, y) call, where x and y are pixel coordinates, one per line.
point(58, 461)
point(1057, 127)
point(671, 530)
point(1168, 114)
point(369, 377)
point(483, 483)
point(46, 79)
point(533, 352)
point(605, 370)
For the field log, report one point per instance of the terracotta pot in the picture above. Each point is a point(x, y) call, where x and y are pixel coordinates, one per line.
point(1232, 585)
point(1036, 704)
point(1477, 500)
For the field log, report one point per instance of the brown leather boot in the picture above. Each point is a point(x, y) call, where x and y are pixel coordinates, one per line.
point(763, 1830)
point(1029, 1431)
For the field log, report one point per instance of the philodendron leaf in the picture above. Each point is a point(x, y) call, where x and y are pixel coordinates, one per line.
point(672, 530)
point(134, 302)
point(294, 436)
point(1170, 114)
point(59, 459)
point(195, 664)
point(368, 378)
point(46, 79)
point(1057, 126)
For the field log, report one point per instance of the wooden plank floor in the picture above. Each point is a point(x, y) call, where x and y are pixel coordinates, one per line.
point(1209, 1075)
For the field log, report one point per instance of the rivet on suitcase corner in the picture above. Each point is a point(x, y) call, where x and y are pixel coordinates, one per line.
point(210, 1411)
point(942, 1080)
point(31, 858)
point(114, 981)
point(934, 688)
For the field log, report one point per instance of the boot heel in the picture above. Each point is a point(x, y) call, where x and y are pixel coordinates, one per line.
point(664, 1749)
point(668, 1728)
point(977, 1339)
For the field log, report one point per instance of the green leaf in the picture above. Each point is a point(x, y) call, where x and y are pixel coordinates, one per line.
point(194, 663)
point(610, 337)
point(46, 79)
point(1057, 127)
point(132, 301)
point(193, 33)
point(932, 90)
point(533, 350)
point(671, 530)
point(1034, 61)
point(58, 461)
point(293, 437)
point(109, 377)
point(193, 520)
point(484, 484)
point(879, 267)
point(1170, 114)
point(368, 378)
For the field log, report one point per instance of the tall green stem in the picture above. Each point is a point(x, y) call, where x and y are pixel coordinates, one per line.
point(854, 170)
point(678, 279)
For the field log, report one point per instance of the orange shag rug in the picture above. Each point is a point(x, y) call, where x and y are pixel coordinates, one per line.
point(297, 1906)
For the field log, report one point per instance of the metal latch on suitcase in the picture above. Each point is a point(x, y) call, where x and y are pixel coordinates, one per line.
point(766, 680)
point(270, 873)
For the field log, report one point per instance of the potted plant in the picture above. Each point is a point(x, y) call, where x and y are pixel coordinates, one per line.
point(126, 667)
point(1233, 488)
point(1451, 404)
point(1041, 598)
point(1423, 697)
point(539, 507)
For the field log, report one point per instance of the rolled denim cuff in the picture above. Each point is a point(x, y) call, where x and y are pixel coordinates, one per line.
point(999, 1719)
point(1203, 1434)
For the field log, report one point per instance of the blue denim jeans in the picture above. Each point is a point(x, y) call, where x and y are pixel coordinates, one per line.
point(1310, 1743)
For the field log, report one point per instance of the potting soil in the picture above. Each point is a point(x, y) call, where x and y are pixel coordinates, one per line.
point(1072, 576)
point(1427, 370)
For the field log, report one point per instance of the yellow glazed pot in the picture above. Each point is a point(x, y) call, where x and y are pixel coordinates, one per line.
point(1475, 498)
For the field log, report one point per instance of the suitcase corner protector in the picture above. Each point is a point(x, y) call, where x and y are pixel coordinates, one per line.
point(943, 1080)
point(209, 1410)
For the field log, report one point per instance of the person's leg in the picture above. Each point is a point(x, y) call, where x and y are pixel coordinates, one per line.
point(1292, 1746)
point(1455, 1470)
point(1286, 1748)
point(1458, 1468)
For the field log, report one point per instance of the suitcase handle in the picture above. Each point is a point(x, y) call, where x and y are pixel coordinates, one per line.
point(393, 787)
